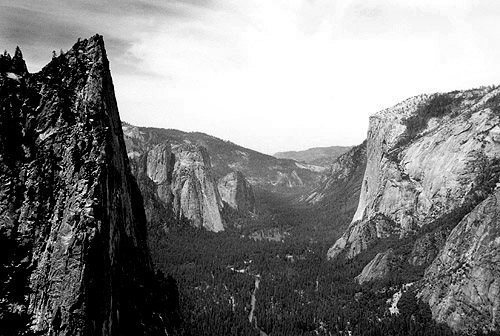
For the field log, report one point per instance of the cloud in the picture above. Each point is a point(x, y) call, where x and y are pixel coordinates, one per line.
point(270, 75)
point(51, 25)
point(36, 32)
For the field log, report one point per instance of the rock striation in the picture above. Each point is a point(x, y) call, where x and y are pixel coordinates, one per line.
point(462, 285)
point(237, 192)
point(74, 259)
point(425, 157)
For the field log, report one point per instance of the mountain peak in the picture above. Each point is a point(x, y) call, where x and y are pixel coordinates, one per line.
point(79, 218)
point(83, 56)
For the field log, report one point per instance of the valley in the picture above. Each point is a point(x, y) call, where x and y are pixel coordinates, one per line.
point(107, 228)
point(329, 256)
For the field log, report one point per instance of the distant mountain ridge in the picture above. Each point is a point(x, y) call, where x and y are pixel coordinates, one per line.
point(262, 170)
point(320, 156)
point(202, 181)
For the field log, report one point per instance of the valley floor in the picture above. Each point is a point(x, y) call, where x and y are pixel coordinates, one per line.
point(230, 284)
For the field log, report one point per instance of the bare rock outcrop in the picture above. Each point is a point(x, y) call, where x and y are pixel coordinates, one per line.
point(462, 285)
point(377, 269)
point(237, 192)
point(425, 157)
point(194, 189)
point(160, 164)
point(177, 183)
point(433, 168)
point(74, 259)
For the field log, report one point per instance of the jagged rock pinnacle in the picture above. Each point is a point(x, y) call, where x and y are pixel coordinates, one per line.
point(70, 210)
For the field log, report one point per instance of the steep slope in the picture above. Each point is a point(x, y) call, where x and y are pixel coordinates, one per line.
point(320, 156)
point(426, 157)
point(346, 170)
point(376, 269)
point(260, 170)
point(196, 196)
point(74, 259)
point(335, 200)
point(237, 192)
point(462, 286)
point(177, 185)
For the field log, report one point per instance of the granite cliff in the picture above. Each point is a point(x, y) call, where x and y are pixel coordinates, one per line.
point(429, 198)
point(74, 259)
point(196, 196)
point(426, 157)
point(462, 285)
point(177, 184)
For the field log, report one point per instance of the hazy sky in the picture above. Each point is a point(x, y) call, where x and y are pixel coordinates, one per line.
point(271, 75)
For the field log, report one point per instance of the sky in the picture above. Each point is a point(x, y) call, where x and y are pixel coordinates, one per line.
point(271, 75)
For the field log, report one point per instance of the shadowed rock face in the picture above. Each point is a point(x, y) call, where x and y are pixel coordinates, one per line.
point(73, 249)
point(237, 192)
point(462, 285)
point(425, 157)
